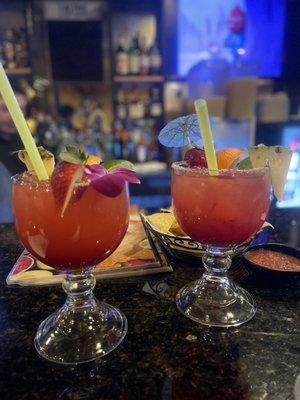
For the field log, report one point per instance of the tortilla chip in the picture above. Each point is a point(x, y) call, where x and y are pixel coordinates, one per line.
point(161, 221)
point(144, 244)
point(267, 225)
point(110, 264)
point(32, 275)
point(41, 265)
point(176, 229)
point(168, 210)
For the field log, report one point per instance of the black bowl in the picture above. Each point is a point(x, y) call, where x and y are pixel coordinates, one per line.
point(281, 248)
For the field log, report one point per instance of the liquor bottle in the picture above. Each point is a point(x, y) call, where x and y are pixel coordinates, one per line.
point(141, 152)
point(107, 143)
point(131, 102)
point(143, 143)
point(153, 149)
point(9, 50)
point(134, 56)
point(121, 59)
point(144, 58)
point(155, 59)
point(121, 110)
point(155, 105)
point(136, 105)
point(117, 142)
point(2, 58)
point(21, 49)
point(140, 109)
point(129, 150)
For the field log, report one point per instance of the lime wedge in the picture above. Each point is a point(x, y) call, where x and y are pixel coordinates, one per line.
point(245, 164)
point(111, 164)
point(278, 158)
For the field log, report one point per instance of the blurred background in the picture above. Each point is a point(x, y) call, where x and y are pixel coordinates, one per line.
point(107, 76)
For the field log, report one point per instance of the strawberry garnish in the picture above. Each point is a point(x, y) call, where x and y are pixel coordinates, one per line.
point(63, 181)
point(73, 175)
point(195, 157)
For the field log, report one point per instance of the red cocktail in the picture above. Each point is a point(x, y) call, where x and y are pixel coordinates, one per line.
point(224, 210)
point(90, 229)
point(70, 222)
point(219, 209)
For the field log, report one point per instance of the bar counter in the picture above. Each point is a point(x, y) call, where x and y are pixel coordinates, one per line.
point(164, 355)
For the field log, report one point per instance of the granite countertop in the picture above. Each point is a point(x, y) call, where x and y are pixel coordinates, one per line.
point(164, 355)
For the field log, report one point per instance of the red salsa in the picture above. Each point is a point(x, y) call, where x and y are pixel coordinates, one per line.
point(274, 260)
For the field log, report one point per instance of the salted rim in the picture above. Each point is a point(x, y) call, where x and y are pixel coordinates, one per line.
point(27, 179)
point(181, 166)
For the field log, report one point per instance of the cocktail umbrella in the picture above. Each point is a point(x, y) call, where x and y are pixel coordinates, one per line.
point(181, 132)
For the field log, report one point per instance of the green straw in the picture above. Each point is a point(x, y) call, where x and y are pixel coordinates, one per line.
point(21, 125)
point(207, 137)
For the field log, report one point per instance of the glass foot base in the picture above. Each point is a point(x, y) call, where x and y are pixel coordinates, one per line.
point(214, 302)
point(81, 334)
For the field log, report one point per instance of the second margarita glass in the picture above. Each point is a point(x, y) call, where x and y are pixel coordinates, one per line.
point(221, 212)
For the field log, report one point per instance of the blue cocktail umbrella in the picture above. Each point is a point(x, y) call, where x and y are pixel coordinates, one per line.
point(181, 132)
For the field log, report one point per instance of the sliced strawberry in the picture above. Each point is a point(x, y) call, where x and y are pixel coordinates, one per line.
point(63, 180)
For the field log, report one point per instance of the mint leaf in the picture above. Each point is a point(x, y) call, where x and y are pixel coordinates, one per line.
point(111, 164)
point(73, 155)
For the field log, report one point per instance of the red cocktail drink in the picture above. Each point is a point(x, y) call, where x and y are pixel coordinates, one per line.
point(220, 209)
point(71, 222)
point(223, 210)
point(90, 229)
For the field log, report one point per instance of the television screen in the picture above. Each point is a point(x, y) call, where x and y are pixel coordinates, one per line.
point(246, 34)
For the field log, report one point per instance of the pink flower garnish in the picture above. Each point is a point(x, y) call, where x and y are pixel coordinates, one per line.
point(109, 182)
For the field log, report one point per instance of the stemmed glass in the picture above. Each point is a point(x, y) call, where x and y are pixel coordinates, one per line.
point(93, 225)
point(220, 210)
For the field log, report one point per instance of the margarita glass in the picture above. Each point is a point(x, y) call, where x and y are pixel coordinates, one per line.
point(221, 210)
point(91, 228)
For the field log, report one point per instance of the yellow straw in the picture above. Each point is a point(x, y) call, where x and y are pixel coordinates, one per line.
point(21, 125)
point(207, 137)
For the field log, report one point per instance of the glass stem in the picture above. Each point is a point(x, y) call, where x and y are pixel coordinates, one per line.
point(219, 288)
point(79, 288)
point(216, 263)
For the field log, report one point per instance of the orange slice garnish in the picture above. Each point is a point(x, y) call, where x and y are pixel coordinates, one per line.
point(227, 157)
point(93, 159)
